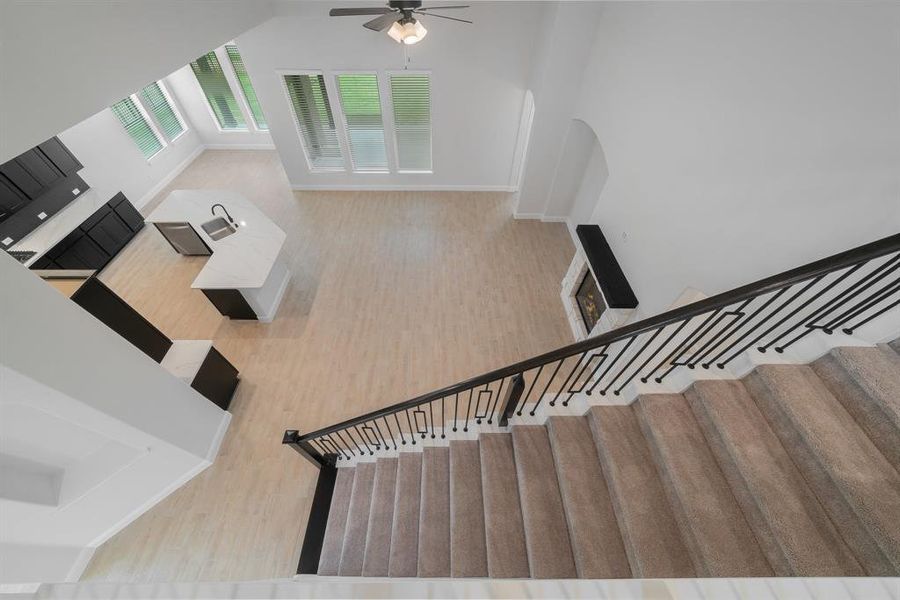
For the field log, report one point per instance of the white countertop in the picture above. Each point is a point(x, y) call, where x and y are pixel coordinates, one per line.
point(54, 229)
point(240, 260)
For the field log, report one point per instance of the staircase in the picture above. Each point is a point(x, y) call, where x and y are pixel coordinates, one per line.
point(618, 457)
point(791, 471)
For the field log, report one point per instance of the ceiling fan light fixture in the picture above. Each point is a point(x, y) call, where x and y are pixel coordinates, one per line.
point(407, 31)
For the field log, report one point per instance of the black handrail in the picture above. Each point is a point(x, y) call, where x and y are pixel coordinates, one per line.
point(807, 305)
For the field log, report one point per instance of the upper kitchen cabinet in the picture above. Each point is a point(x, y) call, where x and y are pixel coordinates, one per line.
point(60, 156)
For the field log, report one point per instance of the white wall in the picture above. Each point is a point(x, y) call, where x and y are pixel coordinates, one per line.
point(742, 139)
point(479, 76)
point(113, 161)
point(63, 61)
point(135, 432)
point(561, 52)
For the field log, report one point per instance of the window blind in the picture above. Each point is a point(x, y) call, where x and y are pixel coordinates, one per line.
point(137, 127)
point(156, 102)
point(315, 122)
point(411, 97)
point(218, 93)
point(361, 104)
point(249, 93)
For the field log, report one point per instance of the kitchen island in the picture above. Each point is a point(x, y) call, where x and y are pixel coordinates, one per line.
point(245, 276)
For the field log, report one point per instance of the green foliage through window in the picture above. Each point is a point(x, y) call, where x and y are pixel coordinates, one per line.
point(137, 127)
point(249, 93)
point(218, 93)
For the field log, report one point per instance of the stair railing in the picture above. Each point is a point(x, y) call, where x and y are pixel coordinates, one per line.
point(842, 292)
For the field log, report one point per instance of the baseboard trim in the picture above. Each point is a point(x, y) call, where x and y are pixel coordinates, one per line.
point(400, 188)
point(146, 198)
point(528, 216)
point(220, 435)
point(551, 219)
point(239, 146)
point(81, 563)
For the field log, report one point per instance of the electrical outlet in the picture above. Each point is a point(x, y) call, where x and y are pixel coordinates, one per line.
point(76, 191)
point(42, 215)
point(7, 241)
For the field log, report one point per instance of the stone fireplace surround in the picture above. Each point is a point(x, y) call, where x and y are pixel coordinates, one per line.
point(594, 255)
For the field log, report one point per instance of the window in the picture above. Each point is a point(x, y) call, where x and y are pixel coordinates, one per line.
point(362, 115)
point(218, 93)
point(157, 103)
point(411, 97)
point(249, 93)
point(315, 121)
point(135, 123)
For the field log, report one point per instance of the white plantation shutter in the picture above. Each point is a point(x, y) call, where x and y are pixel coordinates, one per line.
point(136, 126)
point(315, 122)
point(218, 93)
point(361, 104)
point(154, 99)
point(411, 97)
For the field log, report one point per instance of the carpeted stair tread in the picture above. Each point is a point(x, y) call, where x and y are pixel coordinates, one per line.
point(711, 522)
point(434, 522)
point(546, 531)
point(330, 558)
point(354, 549)
point(405, 524)
point(867, 382)
point(378, 537)
point(468, 553)
point(852, 479)
point(504, 530)
point(790, 524)
point(650, 535)
point(593, 531)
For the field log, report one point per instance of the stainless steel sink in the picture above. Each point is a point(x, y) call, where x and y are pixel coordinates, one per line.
point(218, 228)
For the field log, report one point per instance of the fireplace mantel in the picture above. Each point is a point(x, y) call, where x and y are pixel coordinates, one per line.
point(593, 255)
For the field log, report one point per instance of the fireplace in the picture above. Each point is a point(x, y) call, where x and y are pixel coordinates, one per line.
point(590, 301)
point(595, 291)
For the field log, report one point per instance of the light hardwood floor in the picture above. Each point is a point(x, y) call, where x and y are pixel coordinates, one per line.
point(392, 295)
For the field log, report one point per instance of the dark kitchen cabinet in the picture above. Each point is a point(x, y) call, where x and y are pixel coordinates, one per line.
point(11, 199)
point(127, 212)
point(60, 156)
point(217, 379)
point(22, 178)
point(83, 253)
point(40, 167)
point(109, 232)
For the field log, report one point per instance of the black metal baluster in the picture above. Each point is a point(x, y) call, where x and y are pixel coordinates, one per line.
point(363, 438)
point(672, 359)
point(546, 387)
point(400, 429)
point(343, 441)
point(431, 412)
point(525, 397)
point(818, 311)
point(748, 332)
point(353, 439)
point(412, 432)
point(618, 390)
point(381, 435)
point(722, 335)
point(566, 382)
point(864, 305)
point(611, 365)
point(390, 433)
point(455, 410)
point(468, 410)
point(443, 420)
point(850, 329)
point(337, 447)
point(627, 366)
point(809, 301)
point(496, 400)
point(650, 358)
point(320, 447)
point(777, 324)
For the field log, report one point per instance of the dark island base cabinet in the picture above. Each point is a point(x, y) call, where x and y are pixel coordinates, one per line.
point(217, 379)
point(232, 304)
point(99, 238)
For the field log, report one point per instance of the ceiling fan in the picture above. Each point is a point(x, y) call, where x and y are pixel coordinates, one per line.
point(398, 15)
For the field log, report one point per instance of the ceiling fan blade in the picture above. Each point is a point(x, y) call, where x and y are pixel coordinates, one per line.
point(443, 17)
point(383, 22)
point(424, 8)
point(352, 12)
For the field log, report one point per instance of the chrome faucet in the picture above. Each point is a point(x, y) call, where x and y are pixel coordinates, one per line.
point(213, 211)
